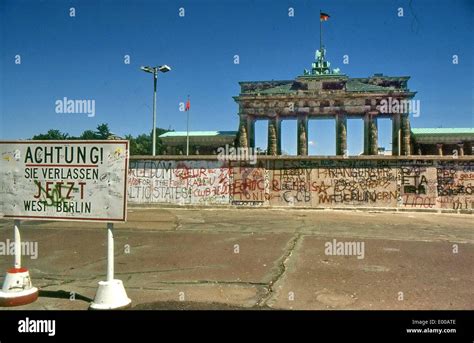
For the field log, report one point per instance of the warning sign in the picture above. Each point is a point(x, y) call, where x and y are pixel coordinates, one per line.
point(64, 180)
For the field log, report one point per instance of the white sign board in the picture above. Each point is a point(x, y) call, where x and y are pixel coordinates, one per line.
point(64, 180)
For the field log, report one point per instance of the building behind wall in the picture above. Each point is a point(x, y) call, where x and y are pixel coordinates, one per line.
point(200, 142)
point(443, 141)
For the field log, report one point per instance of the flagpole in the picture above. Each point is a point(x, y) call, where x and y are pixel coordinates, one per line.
point(187, 129)
point(320, 33)
point(187, 135)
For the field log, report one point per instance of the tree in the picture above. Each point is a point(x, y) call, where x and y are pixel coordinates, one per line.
point(89, 134)
point(141, 145)
point(103, 131)
point(52, 135)
point(160, 147)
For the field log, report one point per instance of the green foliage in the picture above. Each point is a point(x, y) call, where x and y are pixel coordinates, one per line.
point(52, 135)
point(160, 148)
point(89, 135)
point(103, 131)
point(140, 145)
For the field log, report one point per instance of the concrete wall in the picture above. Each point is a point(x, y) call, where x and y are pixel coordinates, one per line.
point(425, 182)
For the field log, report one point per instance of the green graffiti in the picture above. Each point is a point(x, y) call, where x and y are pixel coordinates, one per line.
point(54, 197)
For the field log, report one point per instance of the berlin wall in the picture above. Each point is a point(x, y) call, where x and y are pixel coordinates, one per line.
point(425, 182)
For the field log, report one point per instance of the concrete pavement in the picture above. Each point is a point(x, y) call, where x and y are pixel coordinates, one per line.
point(200, 258)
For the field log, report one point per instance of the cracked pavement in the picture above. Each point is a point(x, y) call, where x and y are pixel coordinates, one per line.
point(213, 258)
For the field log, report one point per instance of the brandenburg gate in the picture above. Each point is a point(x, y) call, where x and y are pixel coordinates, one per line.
point(322, 93)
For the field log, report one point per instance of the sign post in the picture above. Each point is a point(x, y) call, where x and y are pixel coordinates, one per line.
point(69, 181)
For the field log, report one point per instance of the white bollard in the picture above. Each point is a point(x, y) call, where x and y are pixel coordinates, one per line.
point(17, 288)
point(111, 294)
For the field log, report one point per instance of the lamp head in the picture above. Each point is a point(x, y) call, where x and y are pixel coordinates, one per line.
point(147, 69)
point(164, 68)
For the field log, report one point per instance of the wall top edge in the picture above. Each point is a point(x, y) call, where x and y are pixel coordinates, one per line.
point(306, 158)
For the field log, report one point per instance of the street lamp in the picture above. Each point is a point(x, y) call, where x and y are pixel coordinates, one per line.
point(154, 70)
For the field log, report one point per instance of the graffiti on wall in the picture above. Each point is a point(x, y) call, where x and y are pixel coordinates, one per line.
point(328, 183)
point(455, 184)
point(178, 182)
point(296, 184)
point(249, 184)
point(418, 186)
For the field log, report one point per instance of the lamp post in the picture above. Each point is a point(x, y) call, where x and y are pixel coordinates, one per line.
point(154, 71)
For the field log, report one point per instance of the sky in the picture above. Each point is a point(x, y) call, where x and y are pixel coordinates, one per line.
point(84, 56)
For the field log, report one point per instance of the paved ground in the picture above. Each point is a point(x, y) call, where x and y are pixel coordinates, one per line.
point(257, 258)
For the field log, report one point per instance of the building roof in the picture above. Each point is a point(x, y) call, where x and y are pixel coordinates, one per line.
point(442, 131)
point(200, 138)
point(374, 84)
point(198, 134)
point(282, 89)
point(442, 135)
point(358, 86)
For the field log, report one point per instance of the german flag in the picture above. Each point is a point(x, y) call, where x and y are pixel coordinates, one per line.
point(323, 16)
